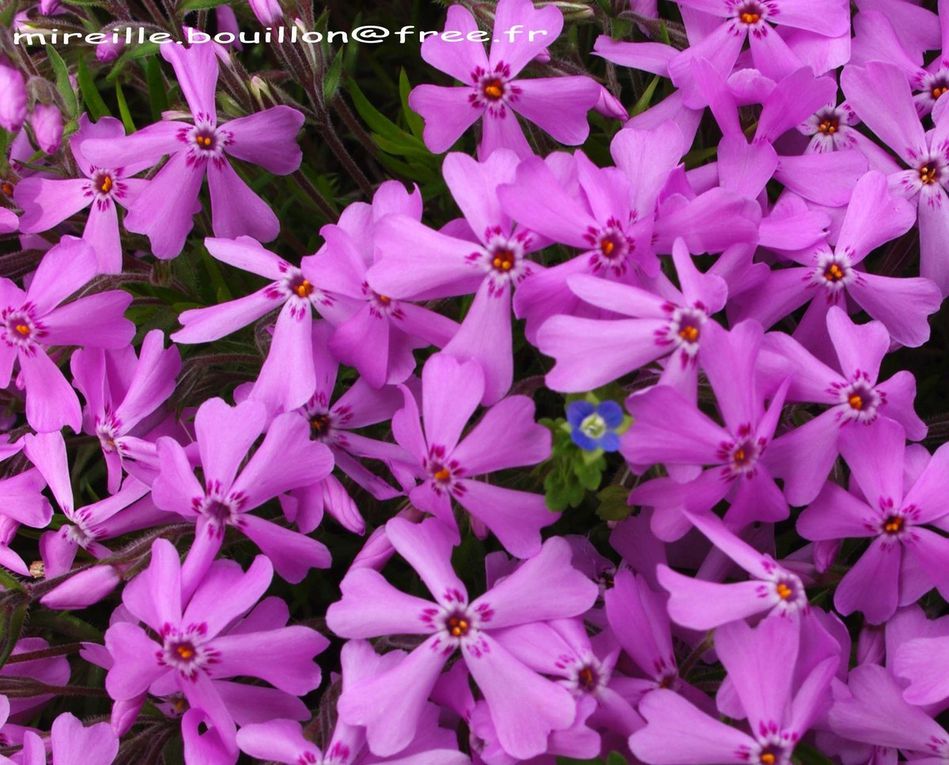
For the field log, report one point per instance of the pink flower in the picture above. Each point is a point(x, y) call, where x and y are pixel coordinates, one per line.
point(32, 321)
point(197, 641)
point(492, 90)
point(525, 707)
point(164, 211)
point(230, 492)
point(506, 437)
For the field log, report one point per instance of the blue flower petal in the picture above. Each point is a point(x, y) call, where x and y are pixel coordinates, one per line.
point(610, 442)
point(578, 411)
point(582, 440)
point(612, 413)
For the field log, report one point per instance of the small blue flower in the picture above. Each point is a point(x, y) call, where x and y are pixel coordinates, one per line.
point(594, 426)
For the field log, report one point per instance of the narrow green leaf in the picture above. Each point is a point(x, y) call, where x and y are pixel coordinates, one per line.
point(12, 619)
point(157, 90)
point(132, 53)
point(90, 93)
point(415, 122)
point(372, 116)
point(333, 74)
point(199, 5)
point(646, 98)
point(124, 112)
point(63, 85)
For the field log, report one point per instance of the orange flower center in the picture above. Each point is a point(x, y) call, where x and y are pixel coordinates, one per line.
point(7, 188)
point(938, 91)
point(503, 261)
point(442, 475)
point(829, 126)
point(105, 185)
point(856, 401)
point(783, 590)
point(458, 626)
point(893, 524)
point(185, 651)
point(928, 173)
point(23, 329)
point(689, 333)
point(303, 288)
point(833, 273)
point(493, 89)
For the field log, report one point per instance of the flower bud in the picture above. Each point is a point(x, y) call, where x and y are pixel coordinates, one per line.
point(47, 125)
point(108, 51)
point(83, 589)
point(12, 97)
point(267, 11)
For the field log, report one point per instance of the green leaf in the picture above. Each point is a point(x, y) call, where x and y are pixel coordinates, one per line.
point(90, 93)
point(377, 121)
point(63, 85)
point(132, 53)
point(12, 619)
point(413, 120)
point(333, 74)
point(157, 90)
point(808, 755)
point(646, 98)
point(613, 503)
point(124, 110)
point(199, 5)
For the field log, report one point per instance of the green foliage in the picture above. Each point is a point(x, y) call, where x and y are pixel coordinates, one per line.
point(573, 471)
point(613, 758)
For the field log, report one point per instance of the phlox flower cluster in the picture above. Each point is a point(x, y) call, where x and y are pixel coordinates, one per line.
point(585, 425)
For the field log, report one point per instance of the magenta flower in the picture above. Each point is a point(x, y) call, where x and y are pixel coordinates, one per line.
point(286, 379)
point(47, 202)
point(47, 124)
point(831, 128)
point(773, 589)
point(804, 457)
point(669, 429)
point(525, 707)
point(379, 336)
point(826, 276)
point(745, 167)
point(197, 641)
point(506, 437)
point(880, 95)
point(8, 221)
point(876, 713)
point(771, 54)
point(124, 396)
point(492, 90)
point(12, 96)
point(924, 662)
point(637, 616)
point(71, 743)
point(21, 502)
point(876, 39)
point(905, 559)
point(781, 699)
point(419, 262)
point(267, 11)
point(32, 321)
point(613, 216)
point(332, 423)
point(232, 489)
point(668, 323)
point(283, 741)
point(164, 211)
